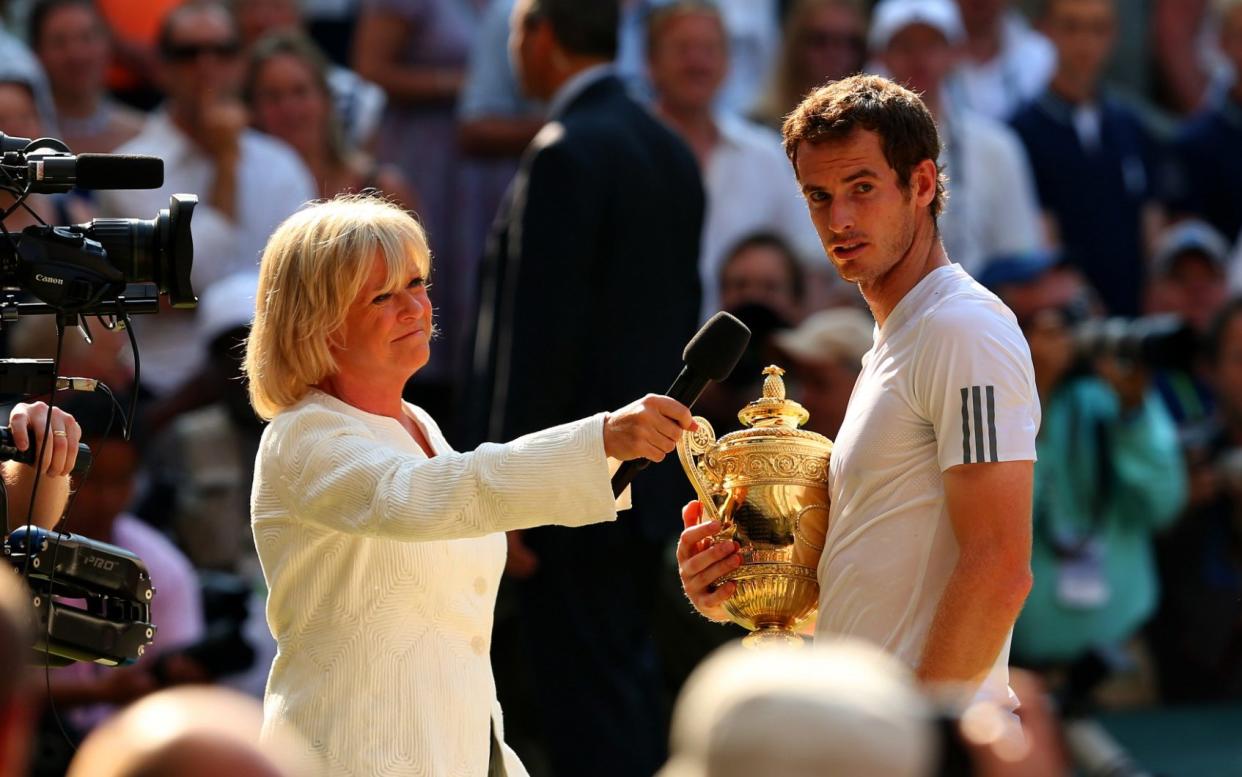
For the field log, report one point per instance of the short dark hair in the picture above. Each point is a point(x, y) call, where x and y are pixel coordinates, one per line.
point(1216, 333)
point(797, 277)
point(42, 9)
point(864, 102)
point(165, 42)
point(660, 16)
point(586, 27)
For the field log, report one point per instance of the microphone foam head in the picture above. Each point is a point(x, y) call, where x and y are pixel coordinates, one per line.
point(717, 347)
point(118, 171)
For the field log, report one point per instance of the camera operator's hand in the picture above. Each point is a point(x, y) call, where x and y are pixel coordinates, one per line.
point(646, 429)
point(1130, 381)
point(28, 421)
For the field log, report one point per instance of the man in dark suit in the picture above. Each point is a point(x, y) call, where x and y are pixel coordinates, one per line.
point(590, 291)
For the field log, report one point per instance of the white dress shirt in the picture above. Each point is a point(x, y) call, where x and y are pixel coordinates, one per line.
point(1020, 72)
point(272, 183)
point(992, 209)
point(750, 188)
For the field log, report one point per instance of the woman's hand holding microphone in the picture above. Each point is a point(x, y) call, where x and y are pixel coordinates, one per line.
point(648, 428)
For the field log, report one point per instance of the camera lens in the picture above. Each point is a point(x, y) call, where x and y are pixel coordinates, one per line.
point(158, 250)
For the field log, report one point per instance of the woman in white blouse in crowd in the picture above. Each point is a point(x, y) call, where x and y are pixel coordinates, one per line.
point(381, 546)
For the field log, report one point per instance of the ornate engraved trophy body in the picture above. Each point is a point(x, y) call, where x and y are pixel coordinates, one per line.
point(768, 487)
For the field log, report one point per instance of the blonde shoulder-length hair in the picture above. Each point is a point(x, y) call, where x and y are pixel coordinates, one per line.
point(312, 269)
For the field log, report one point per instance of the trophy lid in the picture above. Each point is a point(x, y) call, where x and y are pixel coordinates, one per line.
point(773, 409)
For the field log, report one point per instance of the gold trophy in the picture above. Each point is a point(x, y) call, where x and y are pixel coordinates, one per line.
point(768, 487)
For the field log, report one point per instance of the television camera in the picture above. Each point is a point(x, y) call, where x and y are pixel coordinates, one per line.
point(92, 600)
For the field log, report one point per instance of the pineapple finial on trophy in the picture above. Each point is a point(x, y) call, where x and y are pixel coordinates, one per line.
point(773, 385)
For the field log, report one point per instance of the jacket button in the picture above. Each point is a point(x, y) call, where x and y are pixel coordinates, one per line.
point(478, 645)
point(480, 586)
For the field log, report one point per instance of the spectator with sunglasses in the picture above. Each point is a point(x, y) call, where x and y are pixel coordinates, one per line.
point(247, 182)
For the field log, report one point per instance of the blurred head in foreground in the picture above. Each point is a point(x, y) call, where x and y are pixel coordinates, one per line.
point(843, 708)
point(188, 732)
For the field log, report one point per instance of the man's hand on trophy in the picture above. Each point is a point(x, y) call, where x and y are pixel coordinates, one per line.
point(646, 429)
point(701, 561)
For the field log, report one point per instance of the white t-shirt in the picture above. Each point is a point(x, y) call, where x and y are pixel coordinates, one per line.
point(948, 381)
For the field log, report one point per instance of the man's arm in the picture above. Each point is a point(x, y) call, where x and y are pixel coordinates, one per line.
point(990, 509)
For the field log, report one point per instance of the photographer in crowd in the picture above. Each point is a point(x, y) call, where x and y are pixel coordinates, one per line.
point(1198, 634)
point(1109, 475)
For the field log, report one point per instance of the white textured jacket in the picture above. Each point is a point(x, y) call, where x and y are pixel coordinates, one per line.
point(382, 567)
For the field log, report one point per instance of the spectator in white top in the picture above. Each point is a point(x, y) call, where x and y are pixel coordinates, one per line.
point(359, 103)
point(749, 188)
point(992, 208)
point(247, 182)
point(754, 36)
point(823, 40)
point(1007, 62)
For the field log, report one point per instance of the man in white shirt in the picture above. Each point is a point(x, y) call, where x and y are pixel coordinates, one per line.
point(754, 38)
point(749, 188)
point(247, 183)
point(929, 536)
point(1007, 63)
point(992, 208)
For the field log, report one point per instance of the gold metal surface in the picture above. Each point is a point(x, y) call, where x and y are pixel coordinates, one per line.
point(768, 487)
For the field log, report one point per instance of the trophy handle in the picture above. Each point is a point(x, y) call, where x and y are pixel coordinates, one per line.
point(692, 449)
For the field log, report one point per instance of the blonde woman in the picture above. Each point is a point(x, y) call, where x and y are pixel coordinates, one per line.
point(382, 547)
point(824, 40)
point(286, 89)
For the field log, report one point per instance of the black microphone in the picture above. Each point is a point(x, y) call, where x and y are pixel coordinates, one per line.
point(710, 355)
point(53, 173)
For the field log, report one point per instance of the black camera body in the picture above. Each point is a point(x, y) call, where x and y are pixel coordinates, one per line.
point(1162, 341)
point(75, 268)
point(92, 600)
point(89, 268)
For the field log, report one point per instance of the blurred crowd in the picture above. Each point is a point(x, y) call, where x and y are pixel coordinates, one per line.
point(1093, 150)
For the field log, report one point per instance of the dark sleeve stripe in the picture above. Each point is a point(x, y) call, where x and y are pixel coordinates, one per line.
point(978, 402)
point(992, 421)
point(965, 427)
